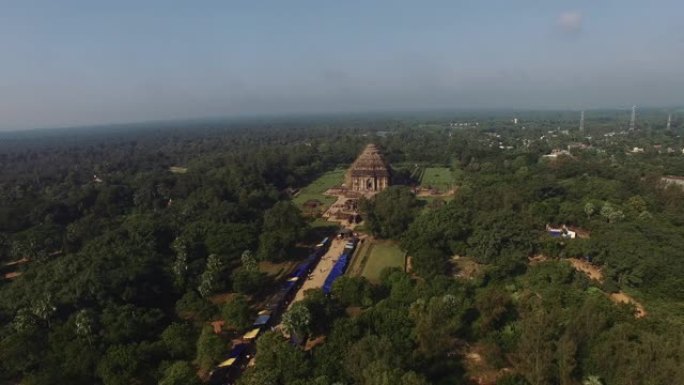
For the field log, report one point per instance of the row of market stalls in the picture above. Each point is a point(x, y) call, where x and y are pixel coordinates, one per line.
point(340, 266)
point(230, 368)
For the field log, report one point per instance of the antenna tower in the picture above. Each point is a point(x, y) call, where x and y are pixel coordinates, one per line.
point(581, 128)
point(632, 120)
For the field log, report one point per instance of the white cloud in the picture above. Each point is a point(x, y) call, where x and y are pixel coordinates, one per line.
point(570, 21)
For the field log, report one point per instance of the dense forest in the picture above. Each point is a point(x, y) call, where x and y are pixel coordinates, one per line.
point(116, 243)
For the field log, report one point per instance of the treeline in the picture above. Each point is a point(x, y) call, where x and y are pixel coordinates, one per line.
point(547, 323)
point(124, 257)
point(120, 256)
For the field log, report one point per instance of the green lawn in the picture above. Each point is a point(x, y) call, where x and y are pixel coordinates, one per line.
point(440, 178)
point(382, 255)
point(316, 189)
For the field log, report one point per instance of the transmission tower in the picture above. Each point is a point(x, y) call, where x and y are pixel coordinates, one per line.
point(669, 121)
point(632, 120)
point(582, 121)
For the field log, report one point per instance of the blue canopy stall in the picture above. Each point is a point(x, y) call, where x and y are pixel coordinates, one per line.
point(262, 320)
point(336, 271)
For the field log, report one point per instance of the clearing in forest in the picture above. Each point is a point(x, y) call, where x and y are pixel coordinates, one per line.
point(312, 199)
point(439, 178)
point(592, 271)
point(381, 254)
point(466, 267)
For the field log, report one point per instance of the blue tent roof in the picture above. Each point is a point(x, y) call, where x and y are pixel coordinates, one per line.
point(237, 350)
point(262, 320)
point(301, 270)
point(288, 286)
point(336, 271)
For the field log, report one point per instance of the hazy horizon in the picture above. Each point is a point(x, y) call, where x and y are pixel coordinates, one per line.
point(77, 63)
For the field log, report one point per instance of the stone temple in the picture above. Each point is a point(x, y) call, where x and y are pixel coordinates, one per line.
point(369, 173)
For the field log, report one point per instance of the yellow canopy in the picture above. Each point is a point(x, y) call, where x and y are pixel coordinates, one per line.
point(251, 334)
point(226, 363)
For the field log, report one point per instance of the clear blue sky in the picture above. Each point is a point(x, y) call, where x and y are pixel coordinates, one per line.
point(86, 62)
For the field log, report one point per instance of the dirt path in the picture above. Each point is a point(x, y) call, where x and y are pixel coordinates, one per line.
point(17, 262)
point(334, 208)
point(594, 272)
point(587, 268)
point(622, 297)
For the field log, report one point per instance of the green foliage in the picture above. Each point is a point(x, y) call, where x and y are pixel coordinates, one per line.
point(248, 260)
point(179, 340)
point(230, 239)
point(110, 292)
point(124, 364)
point(192, 305)
point(238, 313)
point(210, 349)
point(127, 323)
point(501, 234)
point(283, 226)
point(445, 229)
point(180, 373)
point(390, 212)
point(297, 320)
point(429, 262)
point(353, 291)
point(210, 281)
point(248, 282)
point(494, 306)
point(278, 363)
point(511, 379)
point(437, 321)
point(324, 310)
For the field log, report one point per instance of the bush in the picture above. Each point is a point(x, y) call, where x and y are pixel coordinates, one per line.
point(248, 282)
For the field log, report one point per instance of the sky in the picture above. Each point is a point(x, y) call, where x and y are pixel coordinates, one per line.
point(68, 63)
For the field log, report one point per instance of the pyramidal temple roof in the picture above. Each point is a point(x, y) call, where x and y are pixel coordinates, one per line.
point(370, 163)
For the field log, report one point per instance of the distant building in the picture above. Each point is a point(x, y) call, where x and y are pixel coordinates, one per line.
point(556, 153)
point(561, 232)
point(369, 173)
point(578, 146)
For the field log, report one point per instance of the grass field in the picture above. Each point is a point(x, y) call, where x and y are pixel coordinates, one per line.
point(437, 177)
point(382, 255)
point(316, 189)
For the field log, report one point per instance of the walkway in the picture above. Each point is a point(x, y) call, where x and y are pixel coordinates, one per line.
point(321, 271)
